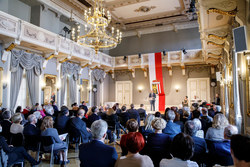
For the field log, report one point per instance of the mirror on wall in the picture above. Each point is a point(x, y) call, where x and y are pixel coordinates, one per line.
point(84, 90)
point(50, 90)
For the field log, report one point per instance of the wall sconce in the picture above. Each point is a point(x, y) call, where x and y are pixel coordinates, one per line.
point(177, 88)
point(58, 86)
point(140, 88)
point(43, 85)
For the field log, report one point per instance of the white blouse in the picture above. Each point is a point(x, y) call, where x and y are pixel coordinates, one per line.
point(16, 128)
point(174, 162)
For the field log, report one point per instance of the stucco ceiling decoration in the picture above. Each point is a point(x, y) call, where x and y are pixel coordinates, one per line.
point(215, 19)
point(145, 9)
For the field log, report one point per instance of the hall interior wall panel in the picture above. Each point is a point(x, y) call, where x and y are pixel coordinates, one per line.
point(124, 92)
point(199, 87)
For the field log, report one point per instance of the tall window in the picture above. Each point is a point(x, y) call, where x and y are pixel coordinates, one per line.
point(23, 99)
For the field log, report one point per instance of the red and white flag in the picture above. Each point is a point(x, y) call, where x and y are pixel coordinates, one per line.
point(155, 74)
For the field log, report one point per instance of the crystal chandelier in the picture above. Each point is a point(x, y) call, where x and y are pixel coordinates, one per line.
point(97, 37)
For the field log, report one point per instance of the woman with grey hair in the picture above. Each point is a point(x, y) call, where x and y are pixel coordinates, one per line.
point(147, 128)
point(16, 126)
point(158, 143)
point(198, 126)
point(50, 111)
point(216, 132)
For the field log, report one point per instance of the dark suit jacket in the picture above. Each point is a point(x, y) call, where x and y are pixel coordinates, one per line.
point(6, 128)
point(200, 149)
point(134, 114)
point(152, 95)
point(31, 130)
point(172, 129)
point(157, 147)
point(56, 111)
point(142, 112)
point(92, 118)
point(123, 117)
point(80, 125)
point(84, 107)
point(62, 124)
point(97, 154)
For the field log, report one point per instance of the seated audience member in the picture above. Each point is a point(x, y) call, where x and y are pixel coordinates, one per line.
point(16, 153)
point(16, 126)
point(56, 111)
point(48, 130)
point(102, 113)
point(40, 109)
point(39, 118)
point(218, 110)
point(200, 146)
point(142, 112)
point(171, 128)
point(199, 132)
point(113, 122)
point(96, 153)
point(74, 107)
point(132, 126)
point(158, 143)
point(182, 150)
point(216, 132)
point(93, 117)
point(196, 114)
point(123, 116)
point(26, 111)
point(165, 114)
point(19, 110)
point(84, 107)
point(30, 128)
point(219, 151)
point(50, 111)
point(211, 111)
point(206, 121)
point(133, 114)
point(186, 114)
point(157, 114)
point(240, 146)
point(147, 128)
point(80, 125)
point(62, 121)
point(134, 143)
point(6, 123)
point(118, 110)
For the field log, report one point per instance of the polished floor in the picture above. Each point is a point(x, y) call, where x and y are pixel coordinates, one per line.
point(72, 156)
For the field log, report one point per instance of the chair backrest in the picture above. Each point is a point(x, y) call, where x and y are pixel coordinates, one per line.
point(16, 139)
point(31, 142)
point(3, 158)
point(47, 141)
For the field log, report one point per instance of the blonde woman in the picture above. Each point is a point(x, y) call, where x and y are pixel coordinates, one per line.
point(216, 132)
point(158, 143)
point(16, 126)
point(48, 130)
point(147, 129)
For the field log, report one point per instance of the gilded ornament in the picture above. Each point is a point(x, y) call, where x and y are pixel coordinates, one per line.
point(227, 13)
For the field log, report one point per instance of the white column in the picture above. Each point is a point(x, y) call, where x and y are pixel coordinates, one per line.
point(58, 84)
point(102, 92)
point(90, 88)
point(7, 75)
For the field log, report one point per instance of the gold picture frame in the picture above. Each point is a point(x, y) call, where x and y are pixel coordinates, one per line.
point(50, 88)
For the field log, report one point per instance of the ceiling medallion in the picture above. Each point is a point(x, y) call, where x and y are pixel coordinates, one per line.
point(144, 9)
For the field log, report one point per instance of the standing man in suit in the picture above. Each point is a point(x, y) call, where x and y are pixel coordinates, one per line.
point(152, 97)
point(217, 99)
point(96, 153)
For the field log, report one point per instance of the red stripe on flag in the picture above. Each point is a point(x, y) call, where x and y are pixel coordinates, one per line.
point(158, 71)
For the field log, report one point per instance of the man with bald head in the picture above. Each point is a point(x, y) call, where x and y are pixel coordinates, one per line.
point(80, 125)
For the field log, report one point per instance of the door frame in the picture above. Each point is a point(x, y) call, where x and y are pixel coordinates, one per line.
point(188, 88)
point(131, 90)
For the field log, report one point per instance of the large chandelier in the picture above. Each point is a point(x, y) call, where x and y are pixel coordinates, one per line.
point(97, 37)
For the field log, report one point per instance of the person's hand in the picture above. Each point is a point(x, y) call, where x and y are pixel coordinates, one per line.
point(11, 146)
point(88, 130)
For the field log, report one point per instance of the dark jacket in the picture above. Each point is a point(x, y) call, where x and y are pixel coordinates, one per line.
point(31, 130)
point(96, 154)
point(142, 113)
point(6, 128)
point(200, 149)
point(62, 124)
point(123, 117)
point(134, 114)
point(172, 129)
point(92, 118)
point(80, 125)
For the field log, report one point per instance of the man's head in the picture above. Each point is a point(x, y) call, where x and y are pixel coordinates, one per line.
point(190, 128)
point(170, 115)
point(204, 111)
point(141, 105)
point(229, 131)
point(217, 95)
point(132, 106)
point(240, 148)
point(32, 119)
point(81, 113)
point(49, 110)
point(6, 114)
point(94, 109)
point(99, 129)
